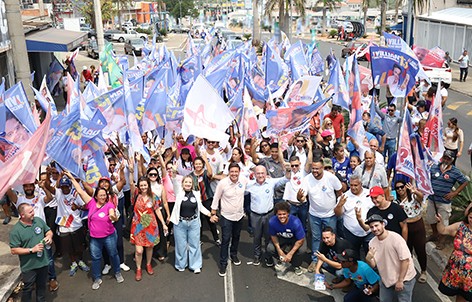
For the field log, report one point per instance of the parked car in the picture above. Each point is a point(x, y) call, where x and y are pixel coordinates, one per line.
point(134, 45)
point(108, 34)
point(351, 47)
point(436, 74)
point(92, 49)
point(233, 44)
point(128, 35)
point(179, 29)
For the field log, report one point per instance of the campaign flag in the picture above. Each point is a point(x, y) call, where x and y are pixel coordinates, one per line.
point(405, 164)
point(3, 116)
point(109, 65)
point(112, 106)
point(216, 72)
point(54, 74)
point(337, 86)
point(204, 120)
point(291, 119)
point(72, 69)
point(187, 72)
point(45, 92)
point(395, 69)
point(422, 172)
point(248, 126)
point(91, 92)
point(95, 168)
point(316, 64)
point(295, 57)
point(302, 92)
point(433, 131)
point(102, 84)
point(23, 167)
point(17, 104)
point(276, 71)
point(192, 49)
point(355, 95)
point(366, 78)
point(154, 107)
point(430, 58)
point(7, 148)
point(255, 83)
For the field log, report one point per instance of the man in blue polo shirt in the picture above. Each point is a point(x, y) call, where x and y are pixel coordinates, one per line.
point(443, 178)
point(287, 234)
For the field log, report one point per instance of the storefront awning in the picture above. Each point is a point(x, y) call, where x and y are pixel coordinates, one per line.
point(54, 40)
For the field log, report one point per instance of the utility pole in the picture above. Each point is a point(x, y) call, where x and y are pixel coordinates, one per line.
point(99, 25)
point(18, 42)
point(410, 22)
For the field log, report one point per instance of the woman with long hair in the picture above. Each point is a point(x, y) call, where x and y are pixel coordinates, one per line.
point(184, 162)
point(453, 138)
point(411, 200)
point(144, 228)
point(187, 225)
point(458, 272)
point(101, 216)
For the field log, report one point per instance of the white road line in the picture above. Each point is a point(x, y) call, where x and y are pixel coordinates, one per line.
point(432, 283)
point(229, 287)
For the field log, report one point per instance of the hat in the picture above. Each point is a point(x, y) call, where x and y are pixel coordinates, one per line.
point(65, 182)
point(84, 67)
point(376, 191)
point(449, 153)
point(348, 255)
point(326, 133)
point(104, 178)
point(327, 162)
point(374, 218)
point(421, 104)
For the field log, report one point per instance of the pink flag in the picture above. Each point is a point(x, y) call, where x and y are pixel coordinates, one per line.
point(405, 164)
point(433, 131)
point(23, 167)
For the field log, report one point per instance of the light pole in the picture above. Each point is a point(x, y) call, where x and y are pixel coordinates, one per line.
point(99, 25)
point(180, 13)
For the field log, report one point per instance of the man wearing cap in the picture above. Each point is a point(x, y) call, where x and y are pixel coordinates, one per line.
point(338, 123)
point(389, 252)
point(357, 198)
point(443, 178)
point(365, 279)
point(322, 190)
point(394, 215)
point(288, 235)
point(325, 144)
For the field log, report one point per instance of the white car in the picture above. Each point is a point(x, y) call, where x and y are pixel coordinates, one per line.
point(436, 74)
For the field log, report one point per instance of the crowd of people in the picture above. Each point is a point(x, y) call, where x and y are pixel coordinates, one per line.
point(336, 198)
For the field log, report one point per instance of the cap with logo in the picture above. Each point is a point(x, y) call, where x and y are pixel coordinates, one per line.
point(376, 191)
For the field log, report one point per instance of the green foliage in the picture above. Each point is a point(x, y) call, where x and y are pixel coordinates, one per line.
point(247, 36)
point(88, 12)
point(144, 31)
point(377, 29)
point(333, 33)
point(163, 32)
point(465, 196)
point(188, 8)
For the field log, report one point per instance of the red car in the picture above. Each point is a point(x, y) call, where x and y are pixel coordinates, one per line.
point(351, 48)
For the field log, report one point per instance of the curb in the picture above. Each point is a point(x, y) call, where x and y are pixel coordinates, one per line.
point(10, 283)
point(436, 255)
point(462, 92)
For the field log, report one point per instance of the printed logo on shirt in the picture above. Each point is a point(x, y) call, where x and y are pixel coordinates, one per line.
point(193, 200)
point(324, 189)
point(38, 230)
point(267, 191)
point(101, 214)
point(390, 216)
point(149, 204)
point(240, 185)
point(446, 176)
point(436, 174)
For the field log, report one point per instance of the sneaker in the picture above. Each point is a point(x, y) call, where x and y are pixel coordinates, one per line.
point(235, 260)
point(312, 267)
point(73, 269)
point(256, 262)
point(218, 242)
point(422, 278)
point(7, 220)
point(96, 283)
point(124, 267)
point(83, 266)
point(222, 272)
point(269, 262)
point(180, 269)
point(197, 271)
point(119, 278)
point(53, 285)
point(106, 269)
point(298, 271)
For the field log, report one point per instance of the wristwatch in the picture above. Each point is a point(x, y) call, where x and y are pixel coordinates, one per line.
point(31, 251)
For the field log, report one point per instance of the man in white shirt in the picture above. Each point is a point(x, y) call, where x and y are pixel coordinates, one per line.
point(322, 190)
point(348, 207)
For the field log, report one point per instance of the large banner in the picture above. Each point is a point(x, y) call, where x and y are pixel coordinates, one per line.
point(302, 92)
point(430, 57)
point(394, 69)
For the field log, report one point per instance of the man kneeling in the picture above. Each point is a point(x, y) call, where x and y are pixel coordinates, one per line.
point(287, 234)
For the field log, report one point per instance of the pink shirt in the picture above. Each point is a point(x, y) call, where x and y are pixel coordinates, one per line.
point(167, 183)
point(190, 148)
point(99, 222)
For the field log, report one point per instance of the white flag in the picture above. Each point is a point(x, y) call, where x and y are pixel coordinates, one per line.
point(205, 113)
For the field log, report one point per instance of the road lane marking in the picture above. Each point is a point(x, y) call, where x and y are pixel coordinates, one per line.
point(229, 286)
point(455, 105)
point(469, 113)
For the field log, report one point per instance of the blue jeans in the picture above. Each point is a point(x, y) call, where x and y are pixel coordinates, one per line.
point(390, 146)
point(38, 278)
point(51, 268)
point(230, 232)
point(389, 294)
point(301, 212)
point(317, 225)
point(188, 251)
point(96, 246)
point(357, 242)
point(357, 294)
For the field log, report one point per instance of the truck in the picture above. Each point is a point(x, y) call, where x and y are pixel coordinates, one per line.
point(128, 35)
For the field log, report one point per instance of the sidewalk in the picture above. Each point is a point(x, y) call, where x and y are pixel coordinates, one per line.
point(9, 264)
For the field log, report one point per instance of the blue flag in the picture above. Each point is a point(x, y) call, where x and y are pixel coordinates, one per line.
point(295, 57)
point(17, 104)
point(276, 71)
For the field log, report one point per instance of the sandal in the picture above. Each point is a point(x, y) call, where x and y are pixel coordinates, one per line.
point(139, 274)
point(422, 278)
point(149, 269)
point(161, 258)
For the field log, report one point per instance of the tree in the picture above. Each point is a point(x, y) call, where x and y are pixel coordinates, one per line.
point(327, 5)
point(365, 7)
point(256, 23)
point(88, 12)
point(187, 6)
point(284, 11)
point(120, 5)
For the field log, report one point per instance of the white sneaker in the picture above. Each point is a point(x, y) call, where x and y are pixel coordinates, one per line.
point(106, 269)
point(124, 267)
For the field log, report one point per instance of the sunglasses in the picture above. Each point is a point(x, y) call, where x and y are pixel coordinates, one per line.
point(294, 166)
point(328, 124)
point(391, 110)
point(400, 188)
point(211, 142)
point(300, 141)
point(265, 145)
point(152, 175)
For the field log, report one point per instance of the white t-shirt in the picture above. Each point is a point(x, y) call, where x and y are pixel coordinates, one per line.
point(321, 194)
point(37, 202)
point(349, 217)
point(216, 162)
point(67, 219)
point(293, 185)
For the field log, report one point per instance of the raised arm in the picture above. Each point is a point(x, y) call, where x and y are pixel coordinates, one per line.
point(85, 197)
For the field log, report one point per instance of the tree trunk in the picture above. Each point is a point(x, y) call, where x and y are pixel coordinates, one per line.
point(323, 20)
point(256, 23)
point(283, 24)
point(364, 10)
point(383, 15)
point(398, 3)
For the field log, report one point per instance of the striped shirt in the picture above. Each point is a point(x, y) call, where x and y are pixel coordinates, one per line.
point(442, 183)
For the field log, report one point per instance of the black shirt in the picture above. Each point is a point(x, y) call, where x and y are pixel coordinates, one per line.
point(394, 214)
point(188, 208)
point(339, 246)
